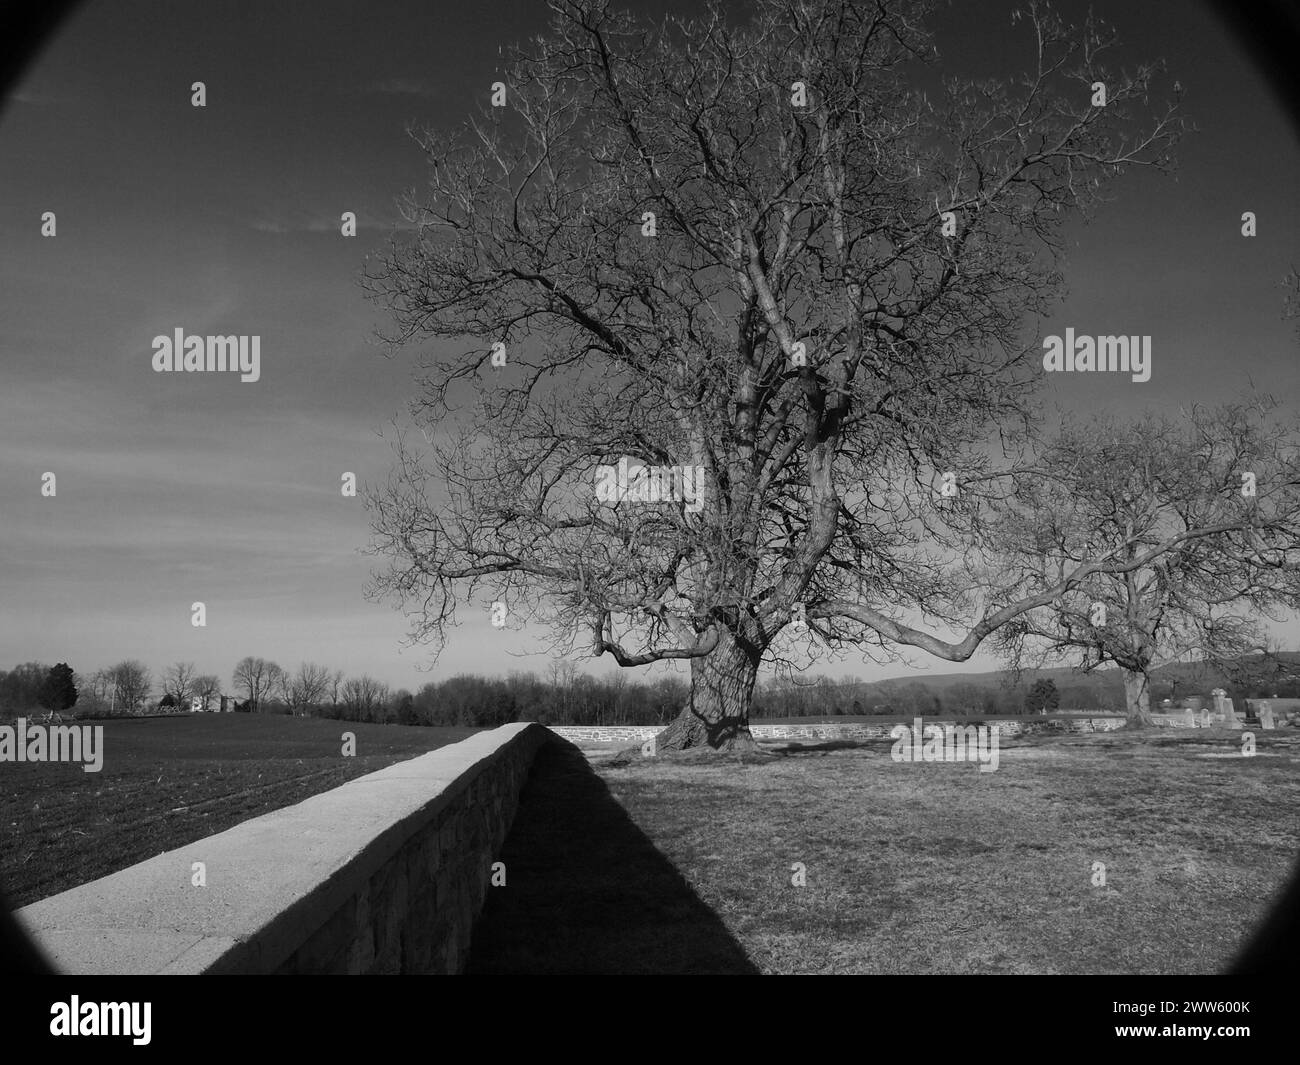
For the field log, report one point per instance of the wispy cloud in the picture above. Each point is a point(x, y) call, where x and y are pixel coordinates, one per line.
point(34, 97)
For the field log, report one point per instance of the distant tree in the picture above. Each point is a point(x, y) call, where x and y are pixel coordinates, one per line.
point(207, 686)
point(95, 690)
point(964, 698)
point(311, 685)
point(1079, 697)
point(20, 687)
point(167, 702)
point(915, 697)
point(364, 697)
point(178, 681)
point(132, 683)
point(256, 677)
point(304, 689)
point(404, 707)
point(1042, 697)
point(58, 692)
point(277, 688)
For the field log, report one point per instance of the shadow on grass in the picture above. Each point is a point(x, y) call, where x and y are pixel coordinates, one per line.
point(587, 892)
point(815, 746)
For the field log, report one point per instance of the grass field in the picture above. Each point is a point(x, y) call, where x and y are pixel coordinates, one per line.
point(168, 781)
point(668, 866)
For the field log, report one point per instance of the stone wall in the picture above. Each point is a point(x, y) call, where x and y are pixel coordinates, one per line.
point(851, 730)
point(1190, 718)
point(385, 874)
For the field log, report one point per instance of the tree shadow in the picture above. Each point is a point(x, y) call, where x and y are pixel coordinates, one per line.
point(810, 746)
point(587, 891)
point(1273, 946)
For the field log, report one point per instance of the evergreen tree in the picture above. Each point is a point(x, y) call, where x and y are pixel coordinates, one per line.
point(57, 691)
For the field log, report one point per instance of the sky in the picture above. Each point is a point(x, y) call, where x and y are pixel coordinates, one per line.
point(182, 488)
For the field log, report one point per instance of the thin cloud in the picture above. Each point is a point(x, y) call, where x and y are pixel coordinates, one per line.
point(34, 97)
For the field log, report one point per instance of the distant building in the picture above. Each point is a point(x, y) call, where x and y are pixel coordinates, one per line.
point(214, 703)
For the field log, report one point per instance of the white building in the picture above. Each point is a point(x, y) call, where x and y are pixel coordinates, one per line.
point(214, 703)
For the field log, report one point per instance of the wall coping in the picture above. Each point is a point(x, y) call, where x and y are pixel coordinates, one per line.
point(271, 881)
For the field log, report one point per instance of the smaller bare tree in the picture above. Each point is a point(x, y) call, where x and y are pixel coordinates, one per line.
point(365, 696)
point(132, 683)
point(307, 687)
point(178, 682)
point(1219, 485)
point(207, 686)
point(258, 678)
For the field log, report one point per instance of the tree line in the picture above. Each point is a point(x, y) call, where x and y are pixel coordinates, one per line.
point(562, 697)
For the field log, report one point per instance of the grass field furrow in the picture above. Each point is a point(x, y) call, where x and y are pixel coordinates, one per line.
point(167, 782)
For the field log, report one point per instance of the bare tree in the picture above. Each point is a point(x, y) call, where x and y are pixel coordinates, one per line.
point(1221, 484)
point(335, 686)
point(96, 690)
point(757, 250)
point(132, 683)
point(366, 697)
point(207, 686)
point(258, 678)
point(278, 683)
point(178, 681)
point(305, 688)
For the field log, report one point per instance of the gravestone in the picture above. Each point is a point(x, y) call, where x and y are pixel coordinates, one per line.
point(1265, 716)
point(1223, 707)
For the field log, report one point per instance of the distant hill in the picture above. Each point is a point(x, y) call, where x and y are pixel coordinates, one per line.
point(999, 691)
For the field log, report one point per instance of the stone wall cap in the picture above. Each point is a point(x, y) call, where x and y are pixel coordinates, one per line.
point(270, 881)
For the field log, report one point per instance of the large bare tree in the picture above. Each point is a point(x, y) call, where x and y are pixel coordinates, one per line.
point(780, 248)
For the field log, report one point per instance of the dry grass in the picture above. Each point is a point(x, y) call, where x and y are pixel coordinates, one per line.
point(938, 868)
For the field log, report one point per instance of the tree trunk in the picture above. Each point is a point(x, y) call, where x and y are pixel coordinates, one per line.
point(1137, 699)
point(717, 711)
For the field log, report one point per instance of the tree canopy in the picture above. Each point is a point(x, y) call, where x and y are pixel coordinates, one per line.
point(784, 251)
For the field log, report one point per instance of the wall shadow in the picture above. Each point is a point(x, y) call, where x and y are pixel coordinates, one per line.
point(587, 891)
point(19, 954)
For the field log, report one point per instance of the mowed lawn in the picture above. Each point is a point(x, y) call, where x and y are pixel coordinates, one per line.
point(926, 868)
point(168, 781)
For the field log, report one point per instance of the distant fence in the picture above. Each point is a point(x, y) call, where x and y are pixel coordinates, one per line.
point(384, 874)
point(878, 728)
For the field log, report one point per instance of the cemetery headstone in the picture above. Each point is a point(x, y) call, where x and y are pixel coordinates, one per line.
point(1223, 706)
